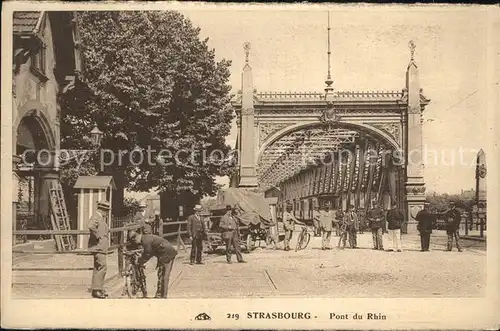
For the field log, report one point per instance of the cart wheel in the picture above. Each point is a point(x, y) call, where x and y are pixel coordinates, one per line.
point(250, 243)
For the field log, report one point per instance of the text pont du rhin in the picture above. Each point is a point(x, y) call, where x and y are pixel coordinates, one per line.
point(356, 316)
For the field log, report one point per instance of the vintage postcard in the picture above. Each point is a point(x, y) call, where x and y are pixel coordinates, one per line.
point(198, 165)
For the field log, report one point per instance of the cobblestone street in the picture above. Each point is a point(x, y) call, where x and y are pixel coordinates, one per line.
point(341, 273)
point(311, 272)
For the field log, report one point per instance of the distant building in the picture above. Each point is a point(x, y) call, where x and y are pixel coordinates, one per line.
point(46, 62)
point(152, 202)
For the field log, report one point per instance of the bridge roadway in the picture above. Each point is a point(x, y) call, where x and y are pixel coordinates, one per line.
point(313, 272)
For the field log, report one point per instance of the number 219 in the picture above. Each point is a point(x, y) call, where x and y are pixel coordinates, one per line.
point(233, 316)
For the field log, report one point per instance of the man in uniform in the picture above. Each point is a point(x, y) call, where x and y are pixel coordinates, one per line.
point(140, 218)
point(230, 233)
point(288, 224)
point(164, 252)
point(141, 213)
point(196, 229)
point(98, 245)
point(395, 219)
point(156, 222)
point(361, 220)
point(375, 218)
point(352, 226)
point(425, 224)
point(326, 225)
point(339, 220)
point(317, 229)
point(453, 219)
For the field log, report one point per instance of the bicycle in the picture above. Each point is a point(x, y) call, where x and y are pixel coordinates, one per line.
point(303, 239)
point(134, 277)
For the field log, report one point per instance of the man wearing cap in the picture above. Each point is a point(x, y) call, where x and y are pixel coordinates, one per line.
point(196, 230)
point(142, 211)
point(164, 252)
point(425, 224)
point(230, 233)
point(352, 226)
point(288, 225)
point(317, 229)
point(375, 218)
point(98, 245)
point(453, 219)
point(338, 220)
point(395, 219)
point(326, 225)
point(140, 218)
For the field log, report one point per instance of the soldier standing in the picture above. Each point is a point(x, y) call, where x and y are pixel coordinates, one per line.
point(361, 220)
point(453, 219)
point(196, 229)
point(352, 223)
point(375, 218)
point(164, 252)
point(156, 222)
point(425, 224)
point(288, 224)
point(141, 213)
point(230, 233)
point(316, 213)
point(326, 225)
point(394, 221)
point(98, 245)
point(339, 218)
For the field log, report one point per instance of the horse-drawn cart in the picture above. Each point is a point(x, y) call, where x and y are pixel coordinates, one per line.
point(253, 215)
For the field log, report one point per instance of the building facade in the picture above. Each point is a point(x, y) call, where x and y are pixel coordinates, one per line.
point(46, 63)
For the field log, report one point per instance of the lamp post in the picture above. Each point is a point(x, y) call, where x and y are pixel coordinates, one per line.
point(96, 137)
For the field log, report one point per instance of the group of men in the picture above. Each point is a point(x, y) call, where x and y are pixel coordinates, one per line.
point(426, 223)
point(348, 224)
point(229, 225)
point(325, 220)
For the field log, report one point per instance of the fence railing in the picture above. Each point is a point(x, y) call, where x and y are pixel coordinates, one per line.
point(121, 233)
point(165, 229)
point(474, 221)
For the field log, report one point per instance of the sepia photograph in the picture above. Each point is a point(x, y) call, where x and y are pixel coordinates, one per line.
point(250, 152)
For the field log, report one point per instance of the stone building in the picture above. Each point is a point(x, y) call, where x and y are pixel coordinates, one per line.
point(46, 62)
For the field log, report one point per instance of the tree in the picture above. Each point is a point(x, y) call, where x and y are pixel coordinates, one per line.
point(150, 82)
point(130, 207)
point(440, 202)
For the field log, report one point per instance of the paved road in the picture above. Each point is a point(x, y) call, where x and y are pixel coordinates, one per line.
point(336, 273)
point(314, 272)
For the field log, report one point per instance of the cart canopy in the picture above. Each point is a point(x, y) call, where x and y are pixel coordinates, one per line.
point(253, 206)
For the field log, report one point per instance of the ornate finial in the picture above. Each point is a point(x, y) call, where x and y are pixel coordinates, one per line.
point(329, 80)
point(246, 47)
point(412, 47)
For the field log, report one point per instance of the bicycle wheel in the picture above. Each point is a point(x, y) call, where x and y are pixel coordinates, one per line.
point(142, 283)
point(128, 287)
point(299, 240)
point(305, 240)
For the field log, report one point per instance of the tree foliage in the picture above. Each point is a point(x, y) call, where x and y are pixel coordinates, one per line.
point(130, 207)
point(440, 202)
point(149, 81)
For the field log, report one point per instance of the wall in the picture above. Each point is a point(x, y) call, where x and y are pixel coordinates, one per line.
point(27, 86)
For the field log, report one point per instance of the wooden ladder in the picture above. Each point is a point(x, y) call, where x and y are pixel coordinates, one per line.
point(60, 218)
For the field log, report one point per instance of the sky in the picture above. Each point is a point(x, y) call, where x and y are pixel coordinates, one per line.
point(370, 52)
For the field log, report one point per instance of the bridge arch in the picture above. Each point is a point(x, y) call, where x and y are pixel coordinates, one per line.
point(357, 126)
point(361, 121)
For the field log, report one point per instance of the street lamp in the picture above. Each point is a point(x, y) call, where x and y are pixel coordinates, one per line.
point(96, 137)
